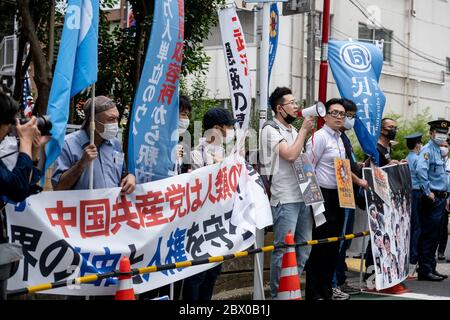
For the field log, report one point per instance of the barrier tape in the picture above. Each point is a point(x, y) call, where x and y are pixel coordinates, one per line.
point(176, 265)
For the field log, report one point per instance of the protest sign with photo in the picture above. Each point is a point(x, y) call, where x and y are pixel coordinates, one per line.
point(307, 180)
point(344, 183)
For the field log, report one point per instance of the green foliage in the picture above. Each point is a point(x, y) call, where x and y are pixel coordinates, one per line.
point(406, 127)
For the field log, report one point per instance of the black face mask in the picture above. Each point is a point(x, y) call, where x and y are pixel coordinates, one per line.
point(289, 119)
point(391, 134)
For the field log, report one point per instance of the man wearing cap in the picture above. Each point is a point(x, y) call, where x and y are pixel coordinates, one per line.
point(218, 124)
point(106, 153)
point(433, 182)
point(414, 144)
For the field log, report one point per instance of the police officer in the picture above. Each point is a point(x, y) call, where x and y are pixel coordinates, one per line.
point(433, 183)
point(414, 144)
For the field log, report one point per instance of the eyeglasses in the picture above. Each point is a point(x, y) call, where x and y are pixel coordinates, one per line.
point(337, 114)
point(350, 115)
point(292, 102)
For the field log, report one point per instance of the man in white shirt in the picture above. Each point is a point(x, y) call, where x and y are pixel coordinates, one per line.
point(322, 151)
point(280, 147)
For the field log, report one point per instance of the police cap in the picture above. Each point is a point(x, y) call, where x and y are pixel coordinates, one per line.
point(439, 125)
point(413, 137)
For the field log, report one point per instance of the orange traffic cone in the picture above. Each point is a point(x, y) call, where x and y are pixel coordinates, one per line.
point(289, 287)
point(125, 291)
point(397, 289)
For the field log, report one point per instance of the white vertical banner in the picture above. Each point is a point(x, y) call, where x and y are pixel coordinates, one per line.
point(237, 65)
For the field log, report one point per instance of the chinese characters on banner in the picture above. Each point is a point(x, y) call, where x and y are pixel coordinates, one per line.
point(153, 135)
point(68, 234)
point(344, 183)
point(307, 180)
point(360, 64)
point(389, 225)
point(237, 65)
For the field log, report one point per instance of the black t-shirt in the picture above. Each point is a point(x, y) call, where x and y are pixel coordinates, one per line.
point(384, 154)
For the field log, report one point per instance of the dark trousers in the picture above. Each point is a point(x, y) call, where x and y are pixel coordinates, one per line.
point(430, 217)
point(324, 257)
point(443, 238)
point(341, 266)
point(415, 226)
point(200, 286)
point(163, 291)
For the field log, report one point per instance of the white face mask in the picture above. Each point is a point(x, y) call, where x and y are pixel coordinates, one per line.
point(444, 151)
point(8, 145)
point(183, 125)
point(230, 136)
point(110, 130)
point(349, 123)
point(439, 138)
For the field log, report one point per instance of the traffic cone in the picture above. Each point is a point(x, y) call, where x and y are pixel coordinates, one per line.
point(125, 290)
point(289, 286)
point(397, 289)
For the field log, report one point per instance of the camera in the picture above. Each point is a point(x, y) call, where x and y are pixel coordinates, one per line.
point(43, 123)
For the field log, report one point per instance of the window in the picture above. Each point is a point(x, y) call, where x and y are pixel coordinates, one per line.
point(371, 35)
point(448, 65)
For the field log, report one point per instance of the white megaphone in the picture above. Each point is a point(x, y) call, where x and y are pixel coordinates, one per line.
point(315, 110)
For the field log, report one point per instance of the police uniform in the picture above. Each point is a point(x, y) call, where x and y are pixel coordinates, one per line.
point(432, 178)
point(412, 159)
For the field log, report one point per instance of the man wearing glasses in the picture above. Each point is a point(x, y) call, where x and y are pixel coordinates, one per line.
point(280, 146)
point(327, 146)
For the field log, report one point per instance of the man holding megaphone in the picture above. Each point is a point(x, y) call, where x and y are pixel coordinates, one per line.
point(280, 146)
point(316, 110)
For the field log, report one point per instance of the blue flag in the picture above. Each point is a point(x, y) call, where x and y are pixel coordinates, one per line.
point(76, 68)
point(153, 132)
point(273, 37)
point(356, 67)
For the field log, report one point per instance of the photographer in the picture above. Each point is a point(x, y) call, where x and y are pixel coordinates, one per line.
point(17, 184)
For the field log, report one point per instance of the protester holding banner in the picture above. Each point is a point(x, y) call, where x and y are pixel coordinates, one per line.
point(281, 145)
point(414, 144)
point(339, 278)
point(218, 124)
point(16, 184)
point(109, 167)
point(326, 148)
point(433, 182)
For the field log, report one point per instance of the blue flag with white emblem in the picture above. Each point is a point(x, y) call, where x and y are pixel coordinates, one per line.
point(76, 68)
point(356, 68)
point(273, 36)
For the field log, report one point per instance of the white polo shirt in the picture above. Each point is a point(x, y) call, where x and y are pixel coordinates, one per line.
point(284, 187)
point(327, 146)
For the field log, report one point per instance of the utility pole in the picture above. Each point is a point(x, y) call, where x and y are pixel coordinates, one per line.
point(323, 77)
point(310, 57)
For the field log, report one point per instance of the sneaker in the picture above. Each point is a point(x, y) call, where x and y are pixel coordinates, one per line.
point(339, 295)
point(441, 256)
point(346, 288)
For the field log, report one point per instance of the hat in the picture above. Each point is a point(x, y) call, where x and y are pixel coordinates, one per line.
point(413, 137)
point(217, 116)
point(440, 125)
point(102, 103)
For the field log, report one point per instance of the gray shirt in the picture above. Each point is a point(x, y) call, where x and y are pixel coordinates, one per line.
point(108, 166)
point(284, 187)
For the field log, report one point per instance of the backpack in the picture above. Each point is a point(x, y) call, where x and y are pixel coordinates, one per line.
point(266, 178)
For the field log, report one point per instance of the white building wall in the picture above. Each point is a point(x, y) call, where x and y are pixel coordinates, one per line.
point(410, 83)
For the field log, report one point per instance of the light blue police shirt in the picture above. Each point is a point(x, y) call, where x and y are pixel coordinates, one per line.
point(431, 169)
point(412, 163)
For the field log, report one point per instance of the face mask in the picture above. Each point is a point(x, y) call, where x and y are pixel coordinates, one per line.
point(391, 134)
point(183, 125)
point(444, 151)
point(439, 138)
point(349, 123)
point(8, 145)
point(110, 131)
point(289, 119)
point(230, 136)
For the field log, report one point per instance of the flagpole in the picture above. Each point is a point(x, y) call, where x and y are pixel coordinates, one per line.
point(324, 58)
point(92, 133)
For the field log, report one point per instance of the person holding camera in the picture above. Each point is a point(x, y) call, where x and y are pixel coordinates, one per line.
point(71, 167)
point(19, 182)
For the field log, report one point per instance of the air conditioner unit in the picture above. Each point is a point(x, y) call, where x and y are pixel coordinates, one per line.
point(242, 4)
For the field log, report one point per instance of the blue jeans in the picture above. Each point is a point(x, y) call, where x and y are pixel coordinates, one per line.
point(296, 218)
point(339, 276)
point(415, 226)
